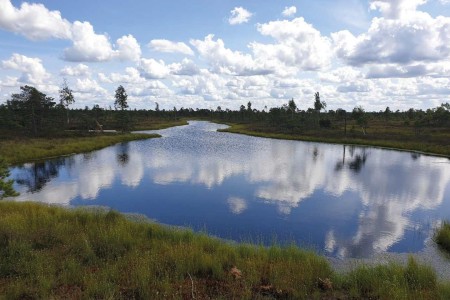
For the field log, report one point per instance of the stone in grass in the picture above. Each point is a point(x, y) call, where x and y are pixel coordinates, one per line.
point(236, 273)
point(325, 284)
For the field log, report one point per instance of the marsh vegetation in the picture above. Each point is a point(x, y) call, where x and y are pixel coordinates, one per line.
point(51, 252)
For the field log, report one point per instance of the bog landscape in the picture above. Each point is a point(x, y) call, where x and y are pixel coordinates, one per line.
point(313, 163)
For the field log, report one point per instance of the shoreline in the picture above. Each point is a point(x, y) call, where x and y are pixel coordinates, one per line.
point(90, 250)
point(281, 136)
point(22, 151)
point(431, 255)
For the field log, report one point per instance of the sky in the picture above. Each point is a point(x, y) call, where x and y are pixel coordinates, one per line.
point(210, 53)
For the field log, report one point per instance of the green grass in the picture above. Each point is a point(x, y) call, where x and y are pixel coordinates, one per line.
point(53, 253)
point(442, 237)
point(30, 149)
point(155, 124)
point(396, 139)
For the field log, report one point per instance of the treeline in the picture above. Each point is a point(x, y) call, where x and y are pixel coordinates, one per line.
point(32, 113)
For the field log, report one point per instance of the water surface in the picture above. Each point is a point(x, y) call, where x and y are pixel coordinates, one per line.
point(342, 201)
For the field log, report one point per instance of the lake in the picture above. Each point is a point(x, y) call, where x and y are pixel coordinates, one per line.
point(343, 201)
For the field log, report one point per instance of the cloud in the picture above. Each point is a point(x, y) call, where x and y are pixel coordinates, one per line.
point(153, 69)
point(396, 9)
point(298, 44)
point(239, 15)
point(34, 21)
point(408, 39)
point(225, 61)
point(158, 69)
point(396, 71)
point(88, 86)
point(237, 205)
point(33, 72)
point(340, 75)
point(128, 48)
point(355, 87)
point(289, 11)
point(167, 46)
point(153, 88)
point(9, 82)
point(87, 45)
point(209, 86)
point(186, 67)
point(131, 75)
point(78, 70)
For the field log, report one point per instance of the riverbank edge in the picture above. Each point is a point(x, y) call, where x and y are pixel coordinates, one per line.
point(442, 237)
point(388, 145)
point(159, 260)
point(43, 148)
point(160, 126)
point(22, 151)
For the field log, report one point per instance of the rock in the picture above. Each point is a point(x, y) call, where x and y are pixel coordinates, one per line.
point(325, 284)
point(236, 273)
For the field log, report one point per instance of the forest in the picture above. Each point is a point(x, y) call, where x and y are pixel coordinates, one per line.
point(30, 113)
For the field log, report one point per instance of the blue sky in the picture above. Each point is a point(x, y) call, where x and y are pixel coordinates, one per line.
point(209, 53)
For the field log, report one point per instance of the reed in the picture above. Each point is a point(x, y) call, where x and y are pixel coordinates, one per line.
point(442, 237)
point(54, 253)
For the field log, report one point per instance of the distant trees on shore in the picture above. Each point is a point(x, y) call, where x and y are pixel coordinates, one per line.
point(33, 113)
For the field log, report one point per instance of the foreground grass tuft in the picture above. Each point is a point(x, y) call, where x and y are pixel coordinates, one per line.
point(30, 149)
point(51, 252)
point(443, 237)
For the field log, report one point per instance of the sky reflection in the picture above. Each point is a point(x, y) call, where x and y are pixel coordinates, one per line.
point(347, 201)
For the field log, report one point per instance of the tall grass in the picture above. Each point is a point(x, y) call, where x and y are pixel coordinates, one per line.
point(50, 252)
point(25, 150)
point(442, 236)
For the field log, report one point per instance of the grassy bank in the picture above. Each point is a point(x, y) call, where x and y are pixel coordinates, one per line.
point(443, 237)
point(155, 124)
point(50, 252)
point(439, 145)
point(22, 150)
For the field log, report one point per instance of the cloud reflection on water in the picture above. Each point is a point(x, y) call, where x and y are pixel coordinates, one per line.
point(390, 185)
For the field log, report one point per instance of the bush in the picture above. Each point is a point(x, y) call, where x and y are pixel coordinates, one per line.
point(326, 123)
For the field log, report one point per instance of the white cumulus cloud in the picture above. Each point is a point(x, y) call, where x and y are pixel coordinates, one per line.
point(154, 69)
point(167, 46)
point(298, 44)
point(404, 41)
point(239, 15)
point(78, 70)
point(394, 9)
point(34, 21)
point(87, 45)
point(289, 11)
point(128, 48)
point(89, 86)
point(227, 61)
point(33, 72)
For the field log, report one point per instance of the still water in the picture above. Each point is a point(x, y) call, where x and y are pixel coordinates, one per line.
point(343, 201)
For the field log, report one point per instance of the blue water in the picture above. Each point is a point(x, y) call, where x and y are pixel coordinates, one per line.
point(342, 201)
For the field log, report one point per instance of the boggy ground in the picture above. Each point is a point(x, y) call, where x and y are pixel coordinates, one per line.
point(394, 135)
point(17, 148)
point(51, 252)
